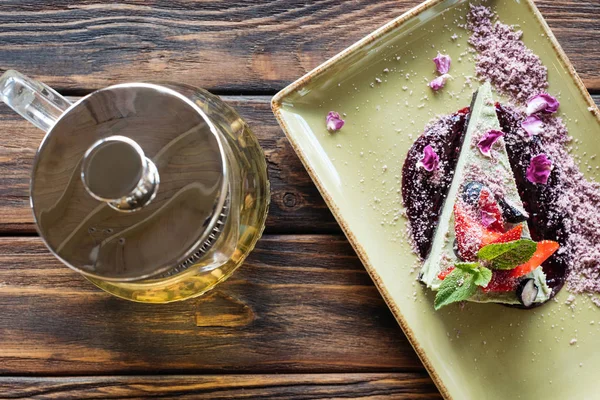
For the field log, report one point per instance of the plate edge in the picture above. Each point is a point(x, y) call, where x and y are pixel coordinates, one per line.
point(276, 103)
point(371, 37)
point(369, 268)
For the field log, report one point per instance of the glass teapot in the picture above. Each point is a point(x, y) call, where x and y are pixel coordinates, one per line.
point(154, 192)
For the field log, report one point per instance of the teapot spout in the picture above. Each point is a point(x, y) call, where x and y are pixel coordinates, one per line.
point(33, 100)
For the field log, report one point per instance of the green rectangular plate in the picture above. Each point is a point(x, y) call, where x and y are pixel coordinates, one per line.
point(479, 351)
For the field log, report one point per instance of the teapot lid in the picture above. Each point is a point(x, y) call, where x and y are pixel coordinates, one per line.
point(131, 183)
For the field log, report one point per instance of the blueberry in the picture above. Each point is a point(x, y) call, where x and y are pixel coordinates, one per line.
point(510, 213)
point(527, 292)
point(471, 192)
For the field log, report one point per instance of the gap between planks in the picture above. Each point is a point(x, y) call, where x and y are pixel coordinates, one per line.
point(276, 386)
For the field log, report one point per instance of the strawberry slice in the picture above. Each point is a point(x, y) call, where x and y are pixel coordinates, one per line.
point(510, 236)
point(544, 250)
point(471, 235)
point(442, 275)
point(490, 208)
point(501, 282)
point(468, 233)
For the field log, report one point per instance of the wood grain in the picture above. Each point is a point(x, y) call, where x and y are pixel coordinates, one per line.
point(299, 304)
point(88, 44)
point(296, 205)
point(291, 386)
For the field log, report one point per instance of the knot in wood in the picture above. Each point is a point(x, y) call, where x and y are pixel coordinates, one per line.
point(289, 199)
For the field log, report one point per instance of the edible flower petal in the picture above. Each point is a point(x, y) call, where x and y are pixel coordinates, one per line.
point(539, 169)
point(491, 215)
point(542, 102)
point(439, 82)
point(488, 140)
point(487, 218)
point(430, 160)
point(334, 122)
point(442, 63)
point(533, 125)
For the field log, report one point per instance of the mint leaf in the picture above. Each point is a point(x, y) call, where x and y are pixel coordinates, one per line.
point(483, 276)
point(462, 283)
point(467, 266)
point(508, 255)
point(459, 285)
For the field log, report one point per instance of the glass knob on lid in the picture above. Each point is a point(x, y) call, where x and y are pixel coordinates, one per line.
point(131, 183)
point(115, 170)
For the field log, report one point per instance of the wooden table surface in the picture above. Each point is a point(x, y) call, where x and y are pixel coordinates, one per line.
point(301, 319)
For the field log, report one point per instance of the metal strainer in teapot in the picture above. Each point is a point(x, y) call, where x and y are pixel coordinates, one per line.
point(154, 192)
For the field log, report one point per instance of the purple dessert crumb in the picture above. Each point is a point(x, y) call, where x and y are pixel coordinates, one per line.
point(503, 58)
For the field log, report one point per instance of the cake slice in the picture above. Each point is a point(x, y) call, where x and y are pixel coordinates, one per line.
point(481, 250)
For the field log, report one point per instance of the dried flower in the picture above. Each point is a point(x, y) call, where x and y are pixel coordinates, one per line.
point(488, 140)
point(533, 125)
point(439, 82)
point(334, 122)
point(539, 169)
point(430, 159)
point(487, 218)
point(542, 102)
point(442, 63)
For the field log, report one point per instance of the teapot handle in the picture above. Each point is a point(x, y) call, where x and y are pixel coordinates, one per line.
point(33, 100)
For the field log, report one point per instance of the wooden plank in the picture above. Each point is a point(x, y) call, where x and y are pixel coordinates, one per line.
point(235, 46)
point(299, 304)
point(296, 205)
point(290, 386)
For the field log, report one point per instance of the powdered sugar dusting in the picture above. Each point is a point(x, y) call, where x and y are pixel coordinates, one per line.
point(503, 58)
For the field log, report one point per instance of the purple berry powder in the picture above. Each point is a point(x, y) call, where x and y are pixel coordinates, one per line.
point(503, 58)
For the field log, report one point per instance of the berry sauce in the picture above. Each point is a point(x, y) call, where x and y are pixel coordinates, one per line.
point(424, 192)
point(540, 201)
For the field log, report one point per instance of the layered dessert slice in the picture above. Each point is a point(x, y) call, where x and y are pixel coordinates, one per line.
point(481, 250)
